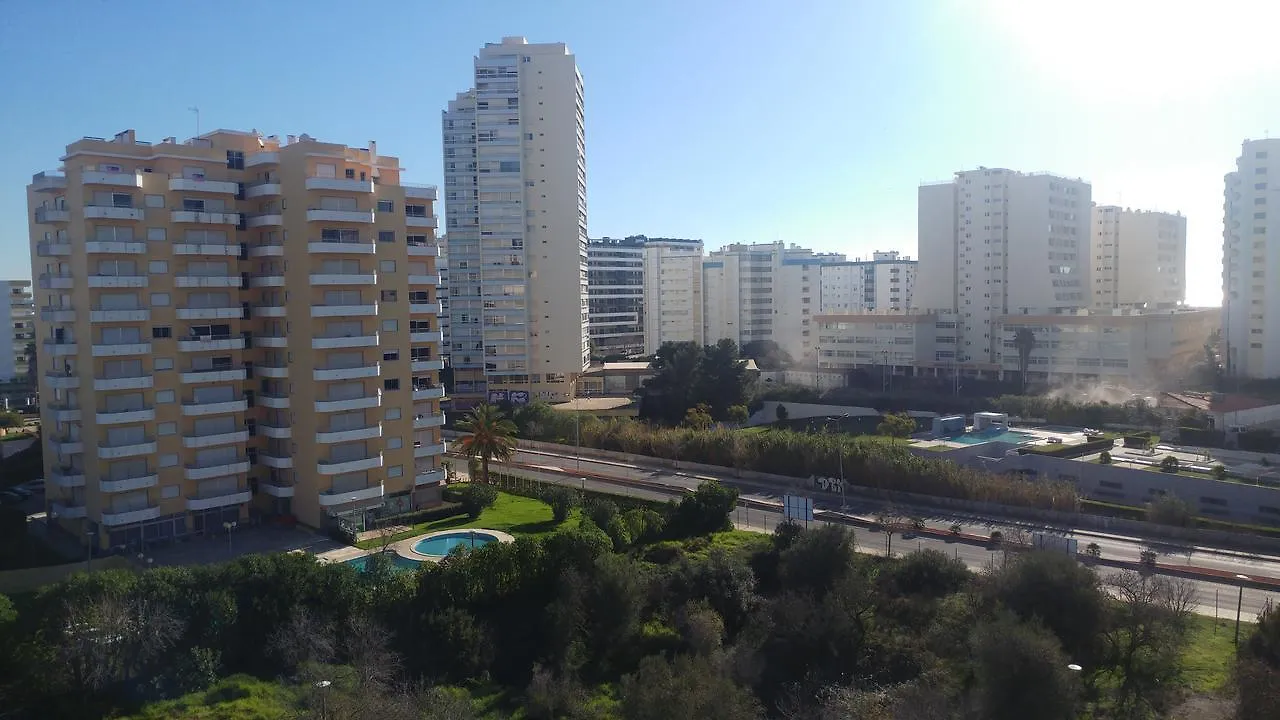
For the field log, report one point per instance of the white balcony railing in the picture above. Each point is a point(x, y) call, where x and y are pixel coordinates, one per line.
point(128, 517)
point(272, 371)
point(350, 248)
point(120, 417)
point(128, 484)
point(267, 219)
point(49, 281)
point(122, 349)
point(59, 349)
point(136, 382)
point(276, 488)
point(209, 313)
point(117, 281)
point(108, 212)
point(191, 409)
point(344, 310)
point(209, 249)
point(264, 189)
point(424, 279)
point(114, 247)
point(65, 413)
point(55, 249)
point(416, 250)
point(351, 216)
point(66, 446)
point(275, 461)
point(360, 403)
point(276, 431)
point(134, 315)
point(339, 184)
point(426, 365)
point(348, 373)
point(208, 376)
point(262, 158)
point(239, 466)
point(235, 437)
point(428, 421)
point(238, 497)
point(69, 512)
point(117, 179)
point(207, 343)
point(420, 192)
point(207, 281)
point(429, 450)
point(267, 250)
point(111, 452)
point(271, 341)
point(427, 308)
point(201, 217)
point(355, 341)
point(426, 336)
point(414, 221)
point(344, 278)
point(57, 314)
point(221, 187)
point(430, 393)
point(330, 467)
point(277, 402)
point(430, 477)
point(67, 477)
point(62, 382)
point(337, 436)
point(329, 498)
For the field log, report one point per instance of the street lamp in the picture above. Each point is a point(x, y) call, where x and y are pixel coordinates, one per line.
point(323, 687)
point(89, 536)
point(1239, 602)
point(229, 526)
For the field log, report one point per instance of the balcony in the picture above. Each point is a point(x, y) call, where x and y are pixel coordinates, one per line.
point(354, 341)
point(267, 250)
point(428, 421)
point(110, 212)
point(271, 341)
point(207, 249)
point(62, 348)
point(430, 477)
point(111, 452)
point(67, 477)
point(272, 371)
point(429, 393)
point(427, 308)
point(426, 365)
point(57, 314)
point(276, 489)
point(66, 446)
point(181, 184)
point(415, 221)
point(120, 417)
point(117, 281)
point(139, 382)
point(122, 349)
point(348, 373)
point(200, 217)
point(194, 376)
point(360, 403)
point(339, 184)
point(207, 281)
point(238, 497)
point(68, 512)
point(44, 182)
point(269, 219)
point(274, 461)
point(103, 247)
point(317, 247)
point(276, 431)
point(65, 413)
point(46, 249)
point(328, 467)
point(48, 281)
point(278, 402)
point(264, 189)
point(209, 313)
point(424, 279)
point(262, 281)
point(62, 382)
point(262, 158)
point(206, 344)
point(239, 466)
point(234, 437)
point(343, 310)
point(429, 450)
point(329, 498)
point(350, 216)
point(337, 436)
point(115, 179)
point(422, 250)
point(426, 336)
point(131, 315)
point(49, 216)
point(270, 310)
point(193, 409)
point(344, 278)
point(420, 192)
point(127, 517)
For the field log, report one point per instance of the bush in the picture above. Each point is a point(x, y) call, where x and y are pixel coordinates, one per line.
point(562, 501)
point(601, 511)
point(1170, 464)
point(1069, 451)
point(1220, 471)
point(704, 511)
point(1169, 509)
point(1140, 440)
point(1105, 458)
point(439, 512)
point(1201, 437)
point(476, 497)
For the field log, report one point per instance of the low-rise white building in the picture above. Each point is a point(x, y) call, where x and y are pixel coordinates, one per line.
point(885, 282)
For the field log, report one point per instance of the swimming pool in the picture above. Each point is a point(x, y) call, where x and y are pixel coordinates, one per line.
point(995, 435)
point(397, 563)
point(443, 543)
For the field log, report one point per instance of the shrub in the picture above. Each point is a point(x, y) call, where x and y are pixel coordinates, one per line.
point(1169, 509)
point(1105, 458)
point(562, 501)
point(1170, 464)
point(704, 511)
point(955, 528)
point(996, 537)
point(1220, 471)
point(476, 497)
point(601, 511)
point(1093, 550)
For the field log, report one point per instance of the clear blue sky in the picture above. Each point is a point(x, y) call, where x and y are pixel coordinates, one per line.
point(810, 122)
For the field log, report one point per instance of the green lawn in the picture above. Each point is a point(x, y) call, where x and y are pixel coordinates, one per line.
point(239, 697)
point(1210, 652)
point(511, 514)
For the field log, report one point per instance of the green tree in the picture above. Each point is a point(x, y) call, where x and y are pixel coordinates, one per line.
point(1021, 672)
point(492, 437)
point(1220, 471)
point(737, 414)
point(705, 510)
point(1024, 341)
point(476, 497)
point(896, 425)
point(686, 688)
point(698, 417)
point(669, 392)
point(780, 413)
point(1104, 458)
point(1061, 593)
point(10, 419)
point(562, 501)
point(1258, 667)
point(720, 380)
point(1169, 509)
point(1170, 464)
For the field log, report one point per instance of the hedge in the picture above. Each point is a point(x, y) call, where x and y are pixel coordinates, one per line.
point(1201, 437)
point(1069, 451)
point(439, 512)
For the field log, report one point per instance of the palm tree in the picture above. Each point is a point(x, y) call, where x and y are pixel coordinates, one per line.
point(492, 436)
point(1025, 341)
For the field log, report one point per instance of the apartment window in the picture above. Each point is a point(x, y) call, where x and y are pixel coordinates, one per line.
point(155, 234)
point(161, 332)
point(387, 266)
point(167, 428)
point(167, 460)
point(391, 355)
point(1261, 155)
point(388, 296)
point(386, 206)
point(160, 299)
point(235, 159)
point(391, 384)
point(391, 325)
point(395, 443)
point(163, 363)
point(391, 414)
point(170, 491)
point(153, 201)
point(158, 267)
point(349, 173)
point(395, 471)
point(164, 396)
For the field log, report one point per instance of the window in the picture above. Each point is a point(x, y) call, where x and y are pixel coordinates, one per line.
point(395, 443)
point(155, 234)
point(163, 364)
point(386, 236)
point(349, 173)
point(170, 491)
point(391, 414)
point(386, 206)
point(388, 296)
point(164, 396)
point(167, 428)
point(158, 267)
point(391, 355)
point(161, 332)
point(390, 325)
point(387, 266)
point(415, 211)
point(391, 384)
point(167, 460)
point(160, 299)
point(154, 201)
point(235, 159)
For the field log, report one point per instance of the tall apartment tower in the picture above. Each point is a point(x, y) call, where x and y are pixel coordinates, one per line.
point(885, 283)
point(673, 298)
point(1250, 248)
point(20, 334)
point(995, 242)
point(233, 326)
point(615, 296)
point(516, 214)
point(1139, 259)
point(442, 292)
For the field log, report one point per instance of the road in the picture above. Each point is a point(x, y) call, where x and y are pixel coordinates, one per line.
point(1212, 598)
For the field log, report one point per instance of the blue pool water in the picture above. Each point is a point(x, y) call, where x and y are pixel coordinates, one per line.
point(399, 563)
point(996, 435)
point(444, 544)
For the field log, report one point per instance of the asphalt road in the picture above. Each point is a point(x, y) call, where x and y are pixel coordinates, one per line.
point(1212, 598)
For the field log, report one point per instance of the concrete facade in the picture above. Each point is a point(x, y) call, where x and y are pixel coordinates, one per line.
point(615, 296)
point(20, 333)
point(885, 282)
point(1250, 249)
point(673, 292)
point(1139, 258)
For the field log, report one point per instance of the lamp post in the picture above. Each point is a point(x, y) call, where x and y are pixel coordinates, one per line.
point(323, 687)
point(1239, 602)
point(229, 526)
point(89, 536)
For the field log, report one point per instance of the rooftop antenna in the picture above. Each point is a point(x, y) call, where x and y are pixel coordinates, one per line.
point(196, 110)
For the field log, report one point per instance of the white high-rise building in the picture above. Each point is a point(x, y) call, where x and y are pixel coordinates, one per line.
point(1139, 258)
point(21, 332)
point(442, 294)
point(1251, 247)
point(885, 282)
point(996, 242)
point(615, 290)
point(673, 297)
point(516, 211)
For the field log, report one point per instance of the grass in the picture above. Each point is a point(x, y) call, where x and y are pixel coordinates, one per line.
point(1209, 653)
point(239, 697)
point(512, 514)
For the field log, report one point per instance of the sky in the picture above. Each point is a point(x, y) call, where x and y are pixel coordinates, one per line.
point(811, 122)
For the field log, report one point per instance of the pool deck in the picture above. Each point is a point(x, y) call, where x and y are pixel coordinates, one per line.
point(404, 548)
point(1036, 436)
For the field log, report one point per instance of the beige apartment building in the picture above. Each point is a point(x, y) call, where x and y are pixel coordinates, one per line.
point(16, 339)
point(234, 328)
